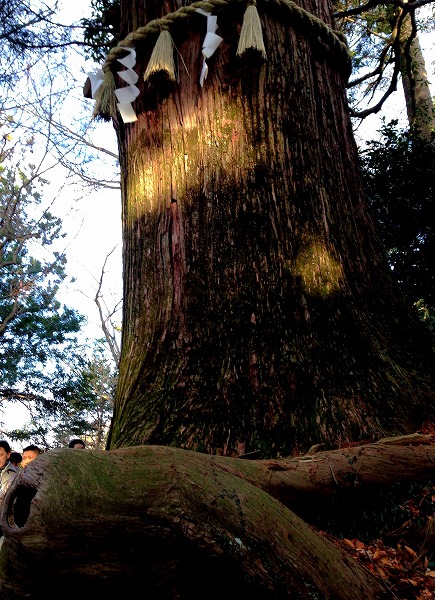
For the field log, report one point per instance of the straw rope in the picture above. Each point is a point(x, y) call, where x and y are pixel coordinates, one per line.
point(332, 38)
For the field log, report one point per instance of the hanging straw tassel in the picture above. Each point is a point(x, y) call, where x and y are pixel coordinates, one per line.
point(162, 57)
point(251, 35)
point(105, 99)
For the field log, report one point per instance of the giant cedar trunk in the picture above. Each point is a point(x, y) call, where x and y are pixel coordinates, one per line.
point(258, 307)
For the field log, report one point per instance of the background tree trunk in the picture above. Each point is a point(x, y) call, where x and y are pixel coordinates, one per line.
point(259, 311)
point(418, 99)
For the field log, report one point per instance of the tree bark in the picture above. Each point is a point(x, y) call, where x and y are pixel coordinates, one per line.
point(171, 522)
point(259, 311)
point(259, 314)
point(418, 98)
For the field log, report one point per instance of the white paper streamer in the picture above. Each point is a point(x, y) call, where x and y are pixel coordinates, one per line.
point(96, 80)
point(128, 61)
point(210, 44)
point(127, 95)
point(212, 23)
point(129, 76)
point(127, 112)
point(204, 73)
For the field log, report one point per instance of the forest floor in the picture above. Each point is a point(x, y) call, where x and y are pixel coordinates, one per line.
point(404, 559)
point(406, 575)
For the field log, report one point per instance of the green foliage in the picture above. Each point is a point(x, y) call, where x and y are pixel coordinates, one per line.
point(374, 33)
point(36, 331)
point(41, 362)
point(87, 395)
point(28, 283)
point(366, 33)
point(78, 401)
point(399, 177)
point(101, 30)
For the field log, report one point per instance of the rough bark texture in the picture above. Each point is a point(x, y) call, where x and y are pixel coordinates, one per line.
point(418, 98)
point(179, 524)
point(259, 312)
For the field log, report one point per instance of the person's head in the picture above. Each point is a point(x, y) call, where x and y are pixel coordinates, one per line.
point(5, 452)
point(15, 458)
point(76, 444)
point(30, 453)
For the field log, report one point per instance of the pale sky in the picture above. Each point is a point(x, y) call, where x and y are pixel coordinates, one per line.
point(93, 223)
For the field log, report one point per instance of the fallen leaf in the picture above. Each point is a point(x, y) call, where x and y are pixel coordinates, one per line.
point(410, 551)
point(378, 554)
point(381, 572)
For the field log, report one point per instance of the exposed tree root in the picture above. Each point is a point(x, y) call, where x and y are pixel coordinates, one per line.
point(178, 524)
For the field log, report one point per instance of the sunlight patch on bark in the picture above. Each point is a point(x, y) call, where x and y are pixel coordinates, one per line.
point(320, 272)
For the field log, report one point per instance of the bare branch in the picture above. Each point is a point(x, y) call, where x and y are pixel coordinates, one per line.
point(395, 46)
point(409, 6)
point(110, 338)
point(12, 394)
